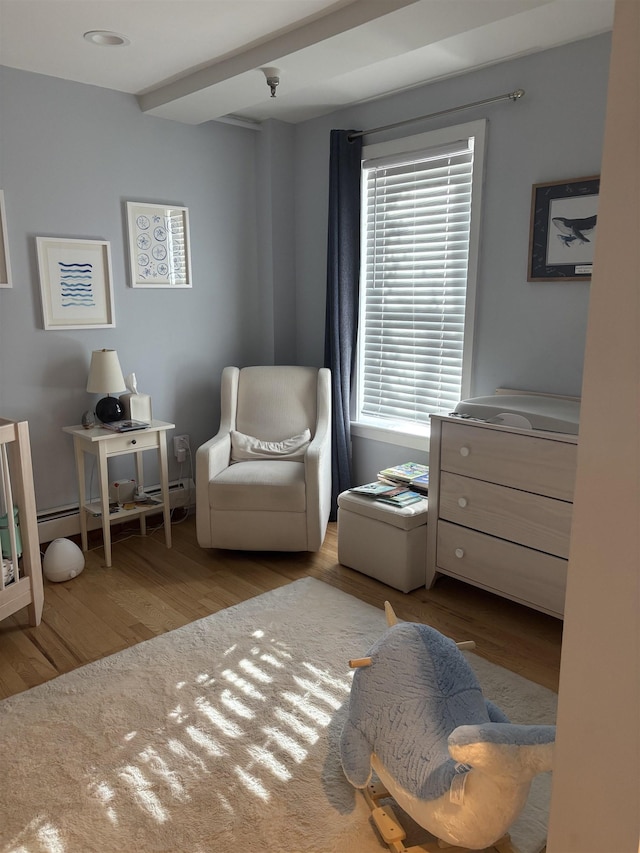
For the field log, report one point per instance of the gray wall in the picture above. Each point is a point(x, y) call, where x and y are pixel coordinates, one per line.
point(70, 157)
point(528, 335)
point(276, 237)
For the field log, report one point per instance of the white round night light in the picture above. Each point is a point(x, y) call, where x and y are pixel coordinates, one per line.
point(63, 560)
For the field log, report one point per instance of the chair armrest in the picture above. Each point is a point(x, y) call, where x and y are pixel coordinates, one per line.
point(317, 465)
point(212, 457)
point(319, 446)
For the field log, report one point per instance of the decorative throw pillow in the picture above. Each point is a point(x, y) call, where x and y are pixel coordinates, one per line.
point(244, 447)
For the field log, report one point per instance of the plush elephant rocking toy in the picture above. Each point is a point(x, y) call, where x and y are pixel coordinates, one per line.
point(448, 756)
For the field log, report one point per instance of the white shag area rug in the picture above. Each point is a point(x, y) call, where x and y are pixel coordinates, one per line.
point(221, 735)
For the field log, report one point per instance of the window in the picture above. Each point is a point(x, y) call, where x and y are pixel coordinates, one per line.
point(420, 206)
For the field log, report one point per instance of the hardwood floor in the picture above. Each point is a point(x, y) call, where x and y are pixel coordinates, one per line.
point(150, 590)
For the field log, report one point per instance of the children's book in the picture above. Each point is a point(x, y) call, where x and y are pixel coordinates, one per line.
point(374, 489)
point(406, 498)
point(125, 426)
point(406, 472)
point(421, 483)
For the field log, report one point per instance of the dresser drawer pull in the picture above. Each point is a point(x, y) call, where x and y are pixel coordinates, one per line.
point(133, 441)
point(459, 552)
point(462, 502)
point(464, 451)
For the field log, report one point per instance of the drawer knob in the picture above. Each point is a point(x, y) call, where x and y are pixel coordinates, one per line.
point(133, 441)
point(459, 552)
point(462, 502)
point(464, 451)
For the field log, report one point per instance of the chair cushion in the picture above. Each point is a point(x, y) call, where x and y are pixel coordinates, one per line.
point(274, 402)
point(245, 447)
point(270, 485)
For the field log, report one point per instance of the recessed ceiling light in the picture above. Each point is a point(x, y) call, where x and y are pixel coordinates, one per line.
point(106, 39)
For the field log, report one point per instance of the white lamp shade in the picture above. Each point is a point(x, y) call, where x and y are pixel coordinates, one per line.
point(105, 374)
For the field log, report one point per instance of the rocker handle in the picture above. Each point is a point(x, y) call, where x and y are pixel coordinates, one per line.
point(354, 663)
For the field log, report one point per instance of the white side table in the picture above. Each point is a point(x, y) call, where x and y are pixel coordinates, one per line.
point(103, 444)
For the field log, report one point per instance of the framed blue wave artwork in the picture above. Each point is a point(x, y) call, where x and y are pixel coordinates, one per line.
point(75, 283)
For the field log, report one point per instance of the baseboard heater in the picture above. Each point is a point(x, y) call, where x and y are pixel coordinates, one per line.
point(64, 521)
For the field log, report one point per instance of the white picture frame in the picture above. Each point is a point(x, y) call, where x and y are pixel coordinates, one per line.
point(75, 283)
point(5, 266)
point(159, 245)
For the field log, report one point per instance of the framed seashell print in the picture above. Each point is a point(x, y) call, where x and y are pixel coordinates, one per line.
point(159, 250)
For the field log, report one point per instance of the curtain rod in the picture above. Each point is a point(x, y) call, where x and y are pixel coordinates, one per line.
point(512, 96)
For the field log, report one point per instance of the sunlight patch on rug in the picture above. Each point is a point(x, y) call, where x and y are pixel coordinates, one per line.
point(223, 732)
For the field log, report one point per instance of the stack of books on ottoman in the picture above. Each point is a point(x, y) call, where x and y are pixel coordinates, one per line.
point(412, 474)
point(399, 485)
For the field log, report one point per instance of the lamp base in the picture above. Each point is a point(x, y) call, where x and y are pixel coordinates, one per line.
point(109, 409)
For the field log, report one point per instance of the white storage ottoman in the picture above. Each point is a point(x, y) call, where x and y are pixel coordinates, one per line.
point(382, 541)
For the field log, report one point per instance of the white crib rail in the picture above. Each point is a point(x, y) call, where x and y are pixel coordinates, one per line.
point(9, 562)
point(22, 586)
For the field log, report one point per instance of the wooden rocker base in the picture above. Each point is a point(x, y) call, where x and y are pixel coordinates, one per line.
point(394, 835)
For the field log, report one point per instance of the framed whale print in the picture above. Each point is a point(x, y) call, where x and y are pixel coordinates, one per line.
point(159, 252)
point(564, 218)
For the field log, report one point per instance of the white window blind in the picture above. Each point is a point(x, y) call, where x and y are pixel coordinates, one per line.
point(416, 231)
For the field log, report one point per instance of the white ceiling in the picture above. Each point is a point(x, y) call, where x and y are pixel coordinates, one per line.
point(197, 60)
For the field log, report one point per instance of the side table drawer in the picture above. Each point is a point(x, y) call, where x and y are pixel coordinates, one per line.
point(131, 442)
point(522, 574)
point(527, 519)
point(541, 465)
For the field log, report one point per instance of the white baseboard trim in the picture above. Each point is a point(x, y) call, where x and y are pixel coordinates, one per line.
point(64, 521)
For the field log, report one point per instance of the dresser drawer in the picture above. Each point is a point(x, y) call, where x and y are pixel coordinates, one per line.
point(132, 441)
point(527, 576)
point(523, 461)
point(528, 519)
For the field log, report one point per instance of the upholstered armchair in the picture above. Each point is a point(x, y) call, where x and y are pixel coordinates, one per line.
point(263, 482)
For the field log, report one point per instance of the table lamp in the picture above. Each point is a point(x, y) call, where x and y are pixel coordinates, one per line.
point(105, 377)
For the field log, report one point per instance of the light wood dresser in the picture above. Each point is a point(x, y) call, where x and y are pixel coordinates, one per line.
point(500, 505)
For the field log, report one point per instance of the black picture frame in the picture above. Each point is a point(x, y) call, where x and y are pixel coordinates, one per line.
point(564, 216)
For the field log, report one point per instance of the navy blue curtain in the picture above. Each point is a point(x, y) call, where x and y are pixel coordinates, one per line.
point(343, 275)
